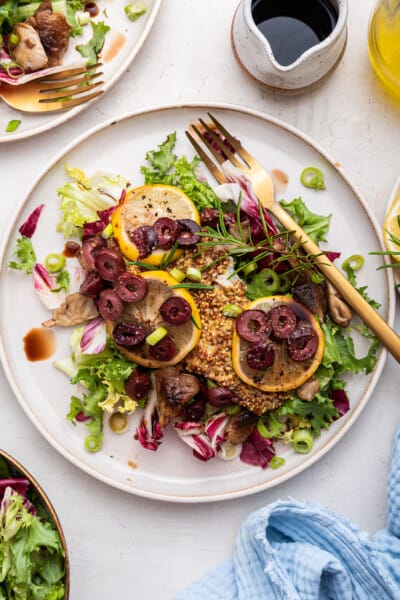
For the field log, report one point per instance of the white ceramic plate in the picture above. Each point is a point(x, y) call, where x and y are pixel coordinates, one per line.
point(123, 41)
point(395, 194)
point(172, 473)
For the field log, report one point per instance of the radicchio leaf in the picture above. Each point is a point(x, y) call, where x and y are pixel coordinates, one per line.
point(257, 451)
point(28, 227)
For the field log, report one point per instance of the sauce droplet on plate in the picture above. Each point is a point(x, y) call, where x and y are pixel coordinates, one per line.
point(39, 344)
point(114, 45)
point(280, 180)
point(71, 249)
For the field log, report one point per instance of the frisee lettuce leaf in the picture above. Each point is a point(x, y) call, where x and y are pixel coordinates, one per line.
point(32, 565)
point(165, 167)
point(93, 47)
point(316, 226)
point(26, 258)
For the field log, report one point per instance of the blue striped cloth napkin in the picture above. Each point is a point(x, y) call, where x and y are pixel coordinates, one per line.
point(291, 550)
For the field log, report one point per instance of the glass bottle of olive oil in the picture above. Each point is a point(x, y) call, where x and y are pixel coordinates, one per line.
point(384, 43)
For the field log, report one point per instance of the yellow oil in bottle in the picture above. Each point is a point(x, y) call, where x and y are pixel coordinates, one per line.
point(384, 43)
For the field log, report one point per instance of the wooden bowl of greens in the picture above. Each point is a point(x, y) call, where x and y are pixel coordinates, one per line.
point(31, 537)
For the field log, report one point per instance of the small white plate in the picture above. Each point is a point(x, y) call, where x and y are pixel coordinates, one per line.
point(172, 473)
point(123, 41)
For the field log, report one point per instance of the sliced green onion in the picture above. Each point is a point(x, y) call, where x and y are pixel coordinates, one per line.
point(134, 11)
point(13, 125)
point(177, 274)
point(263, 430)
point(270, 281)
point(193, 274)
point(232, 310)
point(284, 283)
point(234, 409)
point(317, 277)
point(13, 39)
point(83, 17)
point(156, 336)
point(353, 262)
point(302, 441)
point(93, 442)
point(211, 384)
point(312, 177)
point(107, 232)
point(118, 422)
point(249, 269)
point(276, 462)
point(54, 262)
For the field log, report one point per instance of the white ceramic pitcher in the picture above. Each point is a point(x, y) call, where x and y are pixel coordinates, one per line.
point(255, 56)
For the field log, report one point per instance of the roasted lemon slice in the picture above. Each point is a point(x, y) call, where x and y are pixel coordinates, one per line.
point(141, 208)
point(267, 363)
point(167, 321)
point(391, 229)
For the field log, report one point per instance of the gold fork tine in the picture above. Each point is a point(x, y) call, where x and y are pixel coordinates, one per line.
point(221, 145)
point(247, 157)
point(56, 105)
point(263, 188)
point(217, 173)
point(70, 73)
point(59, 94)
point(60, 85)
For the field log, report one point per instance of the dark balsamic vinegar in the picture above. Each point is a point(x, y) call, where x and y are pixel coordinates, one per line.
point(293, 26)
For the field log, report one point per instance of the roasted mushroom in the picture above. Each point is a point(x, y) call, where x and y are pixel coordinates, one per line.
point(29, 52)
point(240, 426)
point(76, 309)
point(338, 309)
point(313, 296)
point(308, 389)
point(173, 389)
point(53, 29)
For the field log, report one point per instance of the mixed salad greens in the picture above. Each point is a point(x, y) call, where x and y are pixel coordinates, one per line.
point(265, 261)
point(32, 561)
point(36, 36)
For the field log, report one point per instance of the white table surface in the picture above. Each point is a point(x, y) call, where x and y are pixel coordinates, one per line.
point(126, 547)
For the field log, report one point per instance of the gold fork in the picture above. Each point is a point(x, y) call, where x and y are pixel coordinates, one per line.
point(264, 190)
point(56, 92)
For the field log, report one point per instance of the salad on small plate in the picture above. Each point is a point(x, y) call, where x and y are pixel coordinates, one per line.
point(190, 318)
point(40, 38)
point(33, 552)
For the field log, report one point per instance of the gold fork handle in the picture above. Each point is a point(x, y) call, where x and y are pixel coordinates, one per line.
point(369, 316)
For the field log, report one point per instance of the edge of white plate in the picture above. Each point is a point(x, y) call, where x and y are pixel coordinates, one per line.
point(391, 297)
point(69, 114)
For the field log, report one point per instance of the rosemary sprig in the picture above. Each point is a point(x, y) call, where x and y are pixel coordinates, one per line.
point(192, 286)
point(241, 246)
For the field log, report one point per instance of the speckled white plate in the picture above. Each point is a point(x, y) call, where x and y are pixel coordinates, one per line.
point(123, 41)
point(172, 473)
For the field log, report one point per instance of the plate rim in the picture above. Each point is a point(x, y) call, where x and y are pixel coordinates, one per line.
point(252, 488)
point(72, 112)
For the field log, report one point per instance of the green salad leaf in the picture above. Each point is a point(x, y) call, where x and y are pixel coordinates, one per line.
point(93, 47)
point(83, 197)
point(31, 553)
point(103, 376)
point(165, 167)
point(316, 226)
point(25, 254)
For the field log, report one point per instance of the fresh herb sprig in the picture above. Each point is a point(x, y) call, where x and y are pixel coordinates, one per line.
point(241, 246)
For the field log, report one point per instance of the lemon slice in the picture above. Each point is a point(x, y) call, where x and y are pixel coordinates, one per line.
point(391, 229)
point(285, 373)
point(147, 313)
point(143, 206)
